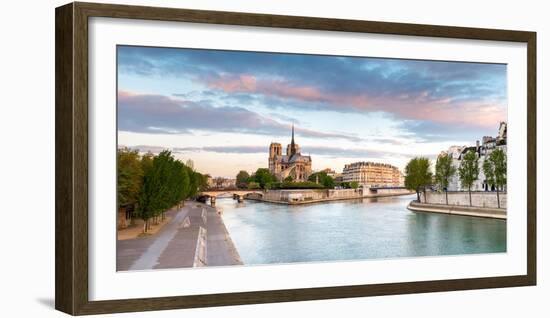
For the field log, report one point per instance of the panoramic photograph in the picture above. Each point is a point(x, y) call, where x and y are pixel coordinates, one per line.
point(262, 158)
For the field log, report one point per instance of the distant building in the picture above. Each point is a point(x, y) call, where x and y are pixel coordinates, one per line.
point(293, 164)
point(483, 150)
point(209, 181)
point(222, 183)
point(373, 174)
point(329, 172)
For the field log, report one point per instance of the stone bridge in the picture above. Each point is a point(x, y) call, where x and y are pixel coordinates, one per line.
point(237, 194)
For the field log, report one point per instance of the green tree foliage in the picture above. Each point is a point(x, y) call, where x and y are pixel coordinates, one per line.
point(322, 178)
point(147, 162)
point(288, 179)
point(344, 185)
point(418, 175)
point(129, 177)
point(197, 182)
point(253, 185)
point(155, 183)
point(469, 171)
point(242, 179)
point(354, 184)
point(494, 168)
point(444, 171)
point(263, 177)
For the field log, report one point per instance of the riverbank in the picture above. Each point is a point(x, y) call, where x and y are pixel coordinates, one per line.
point(195, 236)
point(493, 213)
point(310, 196)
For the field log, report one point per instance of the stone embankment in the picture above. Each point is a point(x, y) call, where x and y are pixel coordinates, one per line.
point(308, 196)
point(494, 213)
point(482, 199)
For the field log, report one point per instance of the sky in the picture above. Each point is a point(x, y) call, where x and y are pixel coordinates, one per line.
point(222, 109)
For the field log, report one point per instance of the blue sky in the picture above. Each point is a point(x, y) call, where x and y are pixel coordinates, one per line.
point(223, 108)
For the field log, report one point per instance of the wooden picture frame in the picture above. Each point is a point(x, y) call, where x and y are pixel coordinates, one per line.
point(71, 90)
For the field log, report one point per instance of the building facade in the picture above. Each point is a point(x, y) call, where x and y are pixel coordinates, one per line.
point(483, 150)
point(372, 174)
point(223, 183)
point(293, 164)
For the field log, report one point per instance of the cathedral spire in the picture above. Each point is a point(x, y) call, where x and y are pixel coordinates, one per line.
point(292, 144)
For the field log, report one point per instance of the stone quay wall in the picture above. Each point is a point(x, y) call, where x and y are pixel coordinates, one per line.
point(479, 198)
point(308, 195)
point(386, 192)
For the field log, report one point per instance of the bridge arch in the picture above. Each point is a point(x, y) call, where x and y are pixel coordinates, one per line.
point(238, 195)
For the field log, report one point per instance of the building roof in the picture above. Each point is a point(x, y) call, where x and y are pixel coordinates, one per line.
point(299, 158)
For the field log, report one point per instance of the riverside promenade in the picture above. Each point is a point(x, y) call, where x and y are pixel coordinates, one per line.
point(493, 213)
point(310, 196)
point(195, 236)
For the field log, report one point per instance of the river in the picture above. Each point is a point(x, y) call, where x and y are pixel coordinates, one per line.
point(266, 233)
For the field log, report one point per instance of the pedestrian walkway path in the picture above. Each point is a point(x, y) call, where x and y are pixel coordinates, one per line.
point(196, 236)
point(149, 259)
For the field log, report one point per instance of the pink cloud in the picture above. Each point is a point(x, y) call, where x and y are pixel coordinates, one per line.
point(419, 106)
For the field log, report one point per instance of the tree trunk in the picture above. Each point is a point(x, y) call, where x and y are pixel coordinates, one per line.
point(417, 195)
point(470, 194)
point(498, 199)
point(446, 197)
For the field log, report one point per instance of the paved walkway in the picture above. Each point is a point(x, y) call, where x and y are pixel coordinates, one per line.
point(221, 250)
point(179, 243)
point(149, 258)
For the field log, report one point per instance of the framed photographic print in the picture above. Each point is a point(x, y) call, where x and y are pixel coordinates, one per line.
point(211, 158)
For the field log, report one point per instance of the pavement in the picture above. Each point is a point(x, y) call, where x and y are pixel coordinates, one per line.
point(195, 236)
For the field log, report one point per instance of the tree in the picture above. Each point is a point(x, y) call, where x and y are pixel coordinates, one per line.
point(444, 170)
point(185, 183)
point(418, 175)
point(344, 185)
point(146, 163)
point(323, 179)
point(494, 168)
point(129, 177)
point(499, 160)
point(242, 179)
point(469, 171)
point(197, 183)
point(354, 184)
point(263, 177)
point(202, 182)
point(164, 183)
point(155, 194)
point(288, 179)
point(253, 185)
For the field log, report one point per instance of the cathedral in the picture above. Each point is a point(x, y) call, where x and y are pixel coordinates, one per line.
point(293, 164)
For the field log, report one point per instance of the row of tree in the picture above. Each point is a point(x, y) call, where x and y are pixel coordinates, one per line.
point(264, 179)
point(418, 175)
point(261, 179)
point(151, 184)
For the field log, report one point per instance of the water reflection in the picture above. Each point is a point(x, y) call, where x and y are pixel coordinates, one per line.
point(350, 230)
